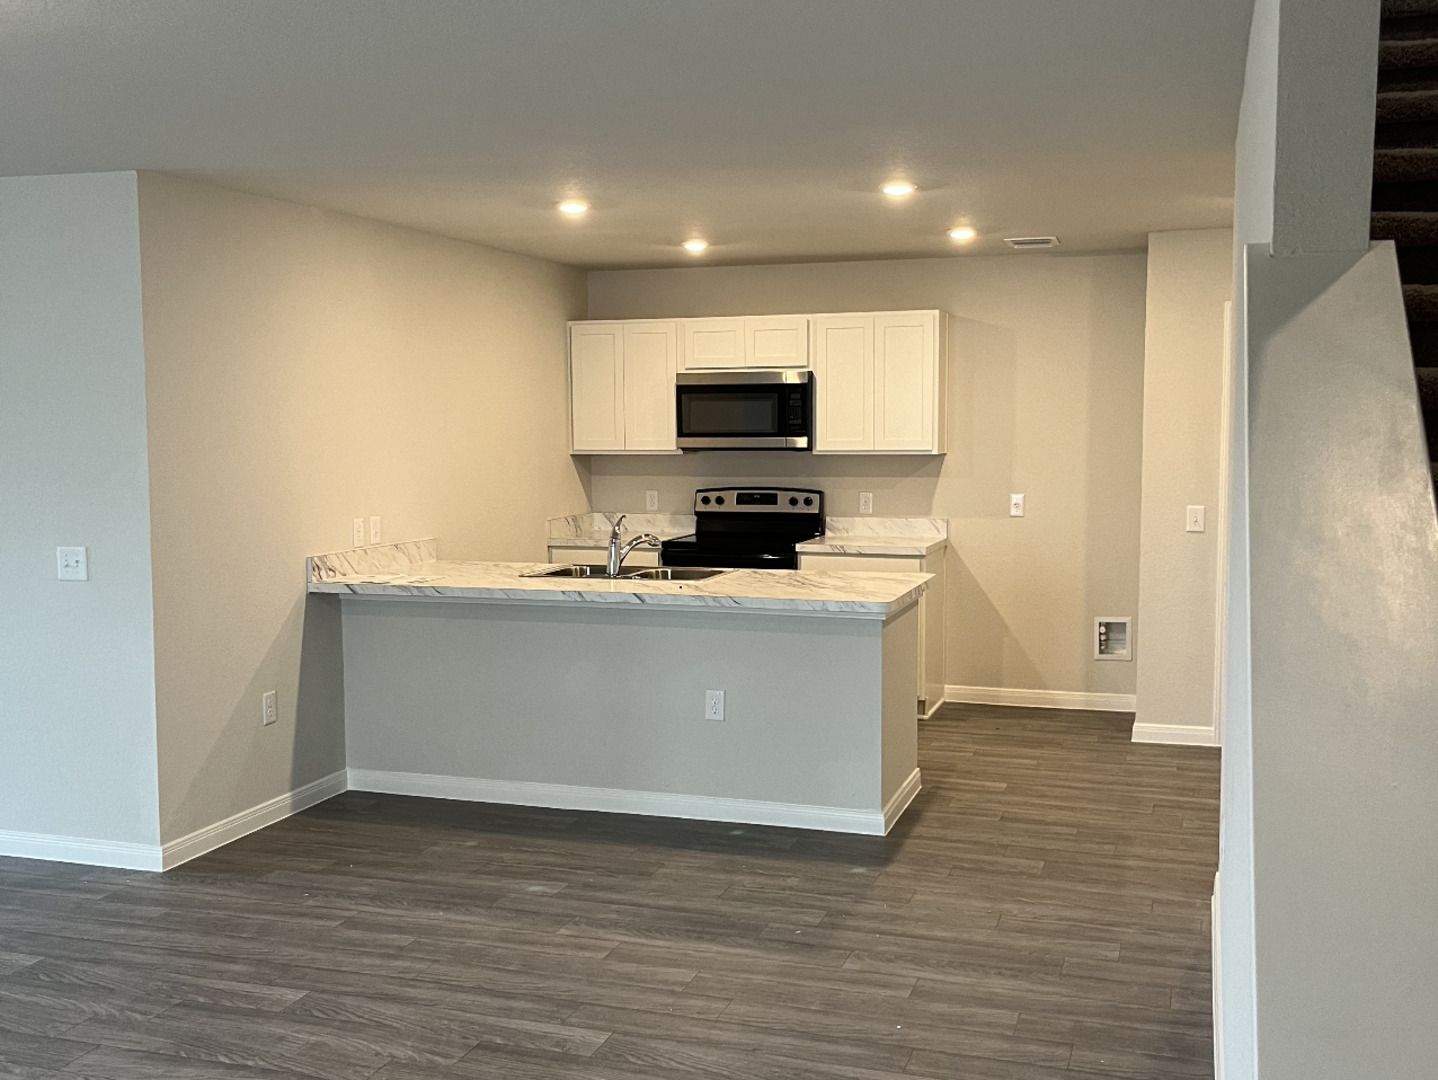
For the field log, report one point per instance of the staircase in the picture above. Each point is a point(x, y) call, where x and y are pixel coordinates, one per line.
point(1405, 180)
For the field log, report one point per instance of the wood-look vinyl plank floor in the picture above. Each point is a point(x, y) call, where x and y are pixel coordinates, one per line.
point(1041, 911)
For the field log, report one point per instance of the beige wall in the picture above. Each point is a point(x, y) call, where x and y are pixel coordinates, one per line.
point(1046, 399)
point(77, 705)
point(1189, 279)
point(303, 369)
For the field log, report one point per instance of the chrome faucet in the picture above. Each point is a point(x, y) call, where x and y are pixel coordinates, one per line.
point(619, 552)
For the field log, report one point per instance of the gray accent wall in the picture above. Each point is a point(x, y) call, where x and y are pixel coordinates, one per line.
point(77, 693)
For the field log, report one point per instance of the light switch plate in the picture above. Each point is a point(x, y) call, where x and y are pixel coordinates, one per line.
point(72, 563)
point(1016, 506)
point(651, 501)
point(866, 502)
point(1195, 519)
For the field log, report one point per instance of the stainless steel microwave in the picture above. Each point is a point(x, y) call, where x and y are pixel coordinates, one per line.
point(745, 410)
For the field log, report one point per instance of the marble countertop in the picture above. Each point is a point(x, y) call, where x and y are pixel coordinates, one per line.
point(793, 592)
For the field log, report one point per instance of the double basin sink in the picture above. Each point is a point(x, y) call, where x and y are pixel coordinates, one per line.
point(650, 573)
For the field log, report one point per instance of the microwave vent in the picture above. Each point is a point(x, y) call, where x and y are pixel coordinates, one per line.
point(1024, 243)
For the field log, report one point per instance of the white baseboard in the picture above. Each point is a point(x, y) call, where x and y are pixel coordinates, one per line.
point(618, 801)
point(896, 806)
point(74, 849)
point(1039, 699)
point(245, 822)
point(938, 704)
point(1174, 735)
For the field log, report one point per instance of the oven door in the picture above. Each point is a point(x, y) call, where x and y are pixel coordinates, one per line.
point(744, 410)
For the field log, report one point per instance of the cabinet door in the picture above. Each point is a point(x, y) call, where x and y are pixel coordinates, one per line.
point(843, 383)
point(777, 341)
point(905, 373)
point(651, 355)
point(713, 343)
point(596, 387)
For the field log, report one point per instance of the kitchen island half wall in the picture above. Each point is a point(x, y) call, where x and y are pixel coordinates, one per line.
point(470, 681)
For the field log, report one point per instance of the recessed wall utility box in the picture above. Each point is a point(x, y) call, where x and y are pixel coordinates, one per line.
point(1113, 638)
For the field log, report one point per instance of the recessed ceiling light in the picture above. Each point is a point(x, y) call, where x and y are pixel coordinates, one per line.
point(694, 247)
point(898, 189)
point(963, 234)
point(574, 207)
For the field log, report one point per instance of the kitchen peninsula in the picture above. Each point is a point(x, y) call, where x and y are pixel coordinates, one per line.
point(471, 680)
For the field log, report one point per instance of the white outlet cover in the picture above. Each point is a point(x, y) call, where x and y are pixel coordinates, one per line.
point(1016, 506)
point(269, 710)
point(72, 563)
point(358, 533)
point(651, 501)
point(713, 704)
point(374, 524)
point(866, 502)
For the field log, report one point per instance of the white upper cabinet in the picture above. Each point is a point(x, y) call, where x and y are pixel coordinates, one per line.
point(596, 387)
point(844, 383)
point(906, 381)
point(880, 383)
point(713, 343)
point(776, 341)
point(746, 341)
point(651, 357)
point(621, 387)
point(879, 377)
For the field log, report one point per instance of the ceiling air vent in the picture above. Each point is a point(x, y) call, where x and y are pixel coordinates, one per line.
point(1023, 243)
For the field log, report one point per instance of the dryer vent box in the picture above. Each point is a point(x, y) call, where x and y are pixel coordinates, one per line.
point(1113, 638)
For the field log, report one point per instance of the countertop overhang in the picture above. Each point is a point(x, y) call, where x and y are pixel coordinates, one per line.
point(832, 594)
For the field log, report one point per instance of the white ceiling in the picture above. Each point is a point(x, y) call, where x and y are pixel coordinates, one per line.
point(766, 126)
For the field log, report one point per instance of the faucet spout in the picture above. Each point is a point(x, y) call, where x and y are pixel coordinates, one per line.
point(619, 552)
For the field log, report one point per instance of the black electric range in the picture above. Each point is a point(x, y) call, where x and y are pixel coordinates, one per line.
point(746, 528)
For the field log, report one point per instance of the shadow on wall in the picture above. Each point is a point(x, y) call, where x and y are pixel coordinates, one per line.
point(243, 767)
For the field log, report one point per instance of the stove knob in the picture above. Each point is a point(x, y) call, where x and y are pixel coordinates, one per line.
point(808, 500)
point(793, 500)
point(705, 500)
point(719, 499)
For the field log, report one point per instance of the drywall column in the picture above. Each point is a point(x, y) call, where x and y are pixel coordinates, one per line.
point(1328, 947)
point(1189, 276)
point(77, 706)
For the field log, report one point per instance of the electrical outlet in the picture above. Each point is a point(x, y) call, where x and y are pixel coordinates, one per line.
point(72, 564)
point(358, 535)
point(1195, 519)
point(713, 704)
point(374, 530)
point(269, 709)
point(866, 502)
point(651, 501)
point(1016, 506)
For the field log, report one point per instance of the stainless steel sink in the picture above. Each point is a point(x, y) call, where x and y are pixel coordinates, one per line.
point(570, 571)
point(674, 573)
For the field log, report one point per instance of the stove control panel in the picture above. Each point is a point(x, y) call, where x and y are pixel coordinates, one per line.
point(759, 500)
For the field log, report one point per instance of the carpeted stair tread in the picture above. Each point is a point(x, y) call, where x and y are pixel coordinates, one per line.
point(1424, 339)
point(1405, 226)
point(1409, 28)
point(1428, 390)
point(1405, 164)
point(1406, 55)
point(1421, 303)
point(1407, 106)
point(1397, 9)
